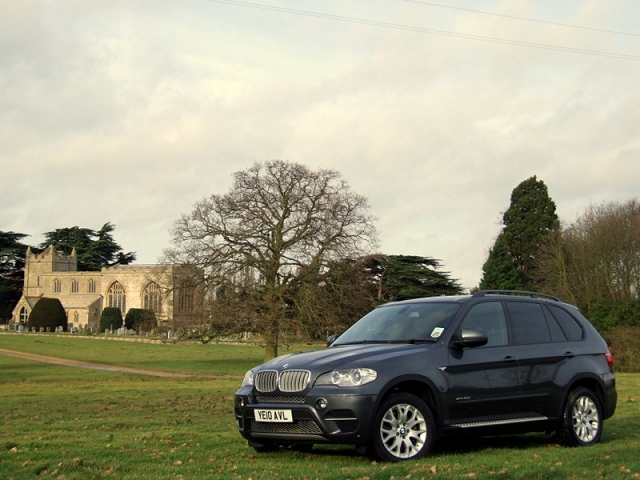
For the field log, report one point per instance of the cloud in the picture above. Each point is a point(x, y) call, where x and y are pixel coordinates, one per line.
point(115, 111)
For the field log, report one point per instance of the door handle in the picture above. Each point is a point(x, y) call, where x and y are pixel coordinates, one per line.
point(509, 359)
point(569, 354)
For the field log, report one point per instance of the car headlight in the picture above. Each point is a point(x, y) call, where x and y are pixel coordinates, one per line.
point(247, 381)
point(347, 377)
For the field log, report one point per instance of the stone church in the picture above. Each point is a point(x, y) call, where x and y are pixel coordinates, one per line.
point(85, 294)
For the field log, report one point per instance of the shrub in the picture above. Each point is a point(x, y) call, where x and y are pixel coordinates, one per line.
point(47, 312)
point(111, 319)
point(624, 343)
point(139, 319)
point(608, 315)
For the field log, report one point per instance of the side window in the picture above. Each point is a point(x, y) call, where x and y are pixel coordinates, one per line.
point(529, 323)
point(572, 329)
point(489, 318)
point(557, 334)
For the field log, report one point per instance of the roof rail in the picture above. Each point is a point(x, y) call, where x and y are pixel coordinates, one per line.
point(521, 293)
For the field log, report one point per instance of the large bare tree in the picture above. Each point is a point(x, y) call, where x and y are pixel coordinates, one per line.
point(280, 224)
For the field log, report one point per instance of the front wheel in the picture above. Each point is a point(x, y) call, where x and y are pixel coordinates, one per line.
point(404, 428)
point(582, 419)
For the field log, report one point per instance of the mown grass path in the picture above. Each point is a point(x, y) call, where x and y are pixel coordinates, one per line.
point(99, 366)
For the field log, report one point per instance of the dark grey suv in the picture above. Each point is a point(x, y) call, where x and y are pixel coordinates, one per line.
point(412, 371)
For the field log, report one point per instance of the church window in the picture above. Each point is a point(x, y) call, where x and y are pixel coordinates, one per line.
point(57, 286)
point(116, 297)
point(185, 300)
point(24, 315)
point(92, 285)
point(152, 298)
point(74, 286)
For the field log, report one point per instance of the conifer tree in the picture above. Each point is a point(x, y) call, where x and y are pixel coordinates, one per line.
point(528, 224)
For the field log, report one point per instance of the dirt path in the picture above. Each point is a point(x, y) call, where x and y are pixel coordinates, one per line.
point(100, 366)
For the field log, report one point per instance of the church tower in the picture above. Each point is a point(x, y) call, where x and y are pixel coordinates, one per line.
point(37, 265)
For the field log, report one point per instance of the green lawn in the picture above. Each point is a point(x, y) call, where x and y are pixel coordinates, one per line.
point(67, 423)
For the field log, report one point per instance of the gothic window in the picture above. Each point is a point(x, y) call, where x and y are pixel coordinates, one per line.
point(24, 315)
point(151, 298)
point(74, 286)
point(57, 286)
point(116, 297)
point(76, 318)
point(185, 300)
point(92, 285)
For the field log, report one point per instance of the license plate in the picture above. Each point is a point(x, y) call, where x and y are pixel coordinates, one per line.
point(274, 416)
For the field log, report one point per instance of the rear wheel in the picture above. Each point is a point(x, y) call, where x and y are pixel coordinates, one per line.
point(582, 420)
point(404, 428)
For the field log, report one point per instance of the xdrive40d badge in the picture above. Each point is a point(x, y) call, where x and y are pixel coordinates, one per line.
point(413, 371)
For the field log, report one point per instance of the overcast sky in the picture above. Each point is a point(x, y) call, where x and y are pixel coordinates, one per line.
point(131, 111)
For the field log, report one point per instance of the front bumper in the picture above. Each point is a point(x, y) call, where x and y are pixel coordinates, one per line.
point(324, 415)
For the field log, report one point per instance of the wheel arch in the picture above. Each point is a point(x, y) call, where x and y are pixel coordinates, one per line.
point(417, 385)
point(592, 383)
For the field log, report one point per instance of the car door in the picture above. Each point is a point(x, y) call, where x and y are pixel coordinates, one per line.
point(542, 351)
point(482, 381)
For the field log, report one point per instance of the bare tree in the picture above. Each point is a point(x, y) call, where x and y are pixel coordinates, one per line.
point(280, 224)
point(597, 258)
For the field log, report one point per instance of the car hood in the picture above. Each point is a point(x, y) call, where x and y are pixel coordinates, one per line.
point(344, 356)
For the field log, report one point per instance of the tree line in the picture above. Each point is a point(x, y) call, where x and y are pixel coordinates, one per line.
point(292, 251)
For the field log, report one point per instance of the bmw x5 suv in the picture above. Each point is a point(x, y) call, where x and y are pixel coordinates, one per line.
point(413, 371)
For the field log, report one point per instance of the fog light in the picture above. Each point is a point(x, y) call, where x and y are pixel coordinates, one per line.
point(241, 402)
point(321, 404)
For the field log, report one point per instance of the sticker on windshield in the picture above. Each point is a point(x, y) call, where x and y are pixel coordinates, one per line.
point(437, 332)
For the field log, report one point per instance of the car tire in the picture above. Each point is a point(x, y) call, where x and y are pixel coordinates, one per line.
point(582, 419)
point(404, 428)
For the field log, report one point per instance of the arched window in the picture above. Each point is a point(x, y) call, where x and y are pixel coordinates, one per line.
point(24, 315)
point(152, 298)
point(57, 286)
point(76, 318)
point(92, 285)
point(74, 286)
point(116, 297)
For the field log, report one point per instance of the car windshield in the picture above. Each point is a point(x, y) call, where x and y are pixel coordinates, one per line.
point(412, 322)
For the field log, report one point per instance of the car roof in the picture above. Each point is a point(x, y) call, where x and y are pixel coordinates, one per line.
point(443, 298)
point(502, 294)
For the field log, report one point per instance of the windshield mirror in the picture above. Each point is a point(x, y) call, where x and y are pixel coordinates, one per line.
point(402, 322)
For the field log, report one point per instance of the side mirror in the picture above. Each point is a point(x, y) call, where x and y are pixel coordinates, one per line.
point(470, 339)
point(332, 339)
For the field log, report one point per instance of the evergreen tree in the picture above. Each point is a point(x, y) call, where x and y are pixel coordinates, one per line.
point(48, 313)
point(110, 319)
point(409, 276)
point(12, 259)
point(140, 319)
point(528, 223)
point(499, 271)
point(94, 249)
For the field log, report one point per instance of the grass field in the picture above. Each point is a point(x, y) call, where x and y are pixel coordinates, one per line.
point(67, 423)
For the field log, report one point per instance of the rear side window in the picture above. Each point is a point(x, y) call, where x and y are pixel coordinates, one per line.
point(572, 329)
point(529, 323)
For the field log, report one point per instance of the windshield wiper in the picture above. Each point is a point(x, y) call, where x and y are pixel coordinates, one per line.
point(413, 341)
point(365, 342)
